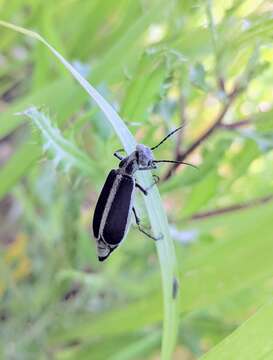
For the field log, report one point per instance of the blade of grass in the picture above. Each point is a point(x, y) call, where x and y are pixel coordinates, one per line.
point(17, 165)
point(165, 247)
point(253, 340)
point(139, 348)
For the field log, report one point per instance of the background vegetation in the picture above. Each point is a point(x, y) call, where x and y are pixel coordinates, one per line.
point(204, 64)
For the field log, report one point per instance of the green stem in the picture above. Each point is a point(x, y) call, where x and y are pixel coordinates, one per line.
point(214, 38)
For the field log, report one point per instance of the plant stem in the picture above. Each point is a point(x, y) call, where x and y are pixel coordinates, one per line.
point(181, 156)
point(232, 208)
point(237, 124)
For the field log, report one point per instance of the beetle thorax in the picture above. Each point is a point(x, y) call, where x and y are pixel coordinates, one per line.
point(141, 159)
point(144, 156)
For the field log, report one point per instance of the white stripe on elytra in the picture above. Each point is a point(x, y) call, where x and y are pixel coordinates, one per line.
point(109, 202)
point(102, 247)
point(107, 208)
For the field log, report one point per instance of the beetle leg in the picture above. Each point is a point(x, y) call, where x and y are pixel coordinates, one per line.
point(140, 228)
point(136, 217)
point(144, 191)
point(156, 181)
point(117, 154)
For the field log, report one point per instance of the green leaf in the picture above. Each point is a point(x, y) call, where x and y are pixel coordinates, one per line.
point(143, 89)
point(201, 193)
point(253, 340)
point(49, 95)
point(211, 159)
point(263, 121)
point(64, 152)
point(198, 77)
point(23, 158)
point(262, 139)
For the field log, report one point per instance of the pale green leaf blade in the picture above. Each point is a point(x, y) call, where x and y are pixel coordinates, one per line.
point(252, 341)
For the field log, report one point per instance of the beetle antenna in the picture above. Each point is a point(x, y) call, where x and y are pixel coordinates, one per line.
point(166, 137)
point(175, 162)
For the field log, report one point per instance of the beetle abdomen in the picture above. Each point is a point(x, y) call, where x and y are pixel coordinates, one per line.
point(118, 217)
point(101, 204)
point(103, 249)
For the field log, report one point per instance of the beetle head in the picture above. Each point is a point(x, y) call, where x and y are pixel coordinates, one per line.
point(144, 156)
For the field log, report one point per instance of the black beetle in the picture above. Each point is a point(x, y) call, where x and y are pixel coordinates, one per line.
point(114, 208)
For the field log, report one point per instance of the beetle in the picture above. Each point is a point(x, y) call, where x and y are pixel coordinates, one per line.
point(114, 208)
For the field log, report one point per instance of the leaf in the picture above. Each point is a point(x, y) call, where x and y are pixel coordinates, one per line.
point(143, 89)
point(262, 139)
point(64, 152)
point(253, 340)
point(25, 156)
point(201, 193)
point(198, 77)
point(212, 156)
point(49, 95)
point(263, 121)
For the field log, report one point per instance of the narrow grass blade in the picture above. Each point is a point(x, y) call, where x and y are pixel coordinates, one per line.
point(253, 340)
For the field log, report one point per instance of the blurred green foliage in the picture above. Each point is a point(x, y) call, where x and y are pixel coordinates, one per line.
point(160, 63)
